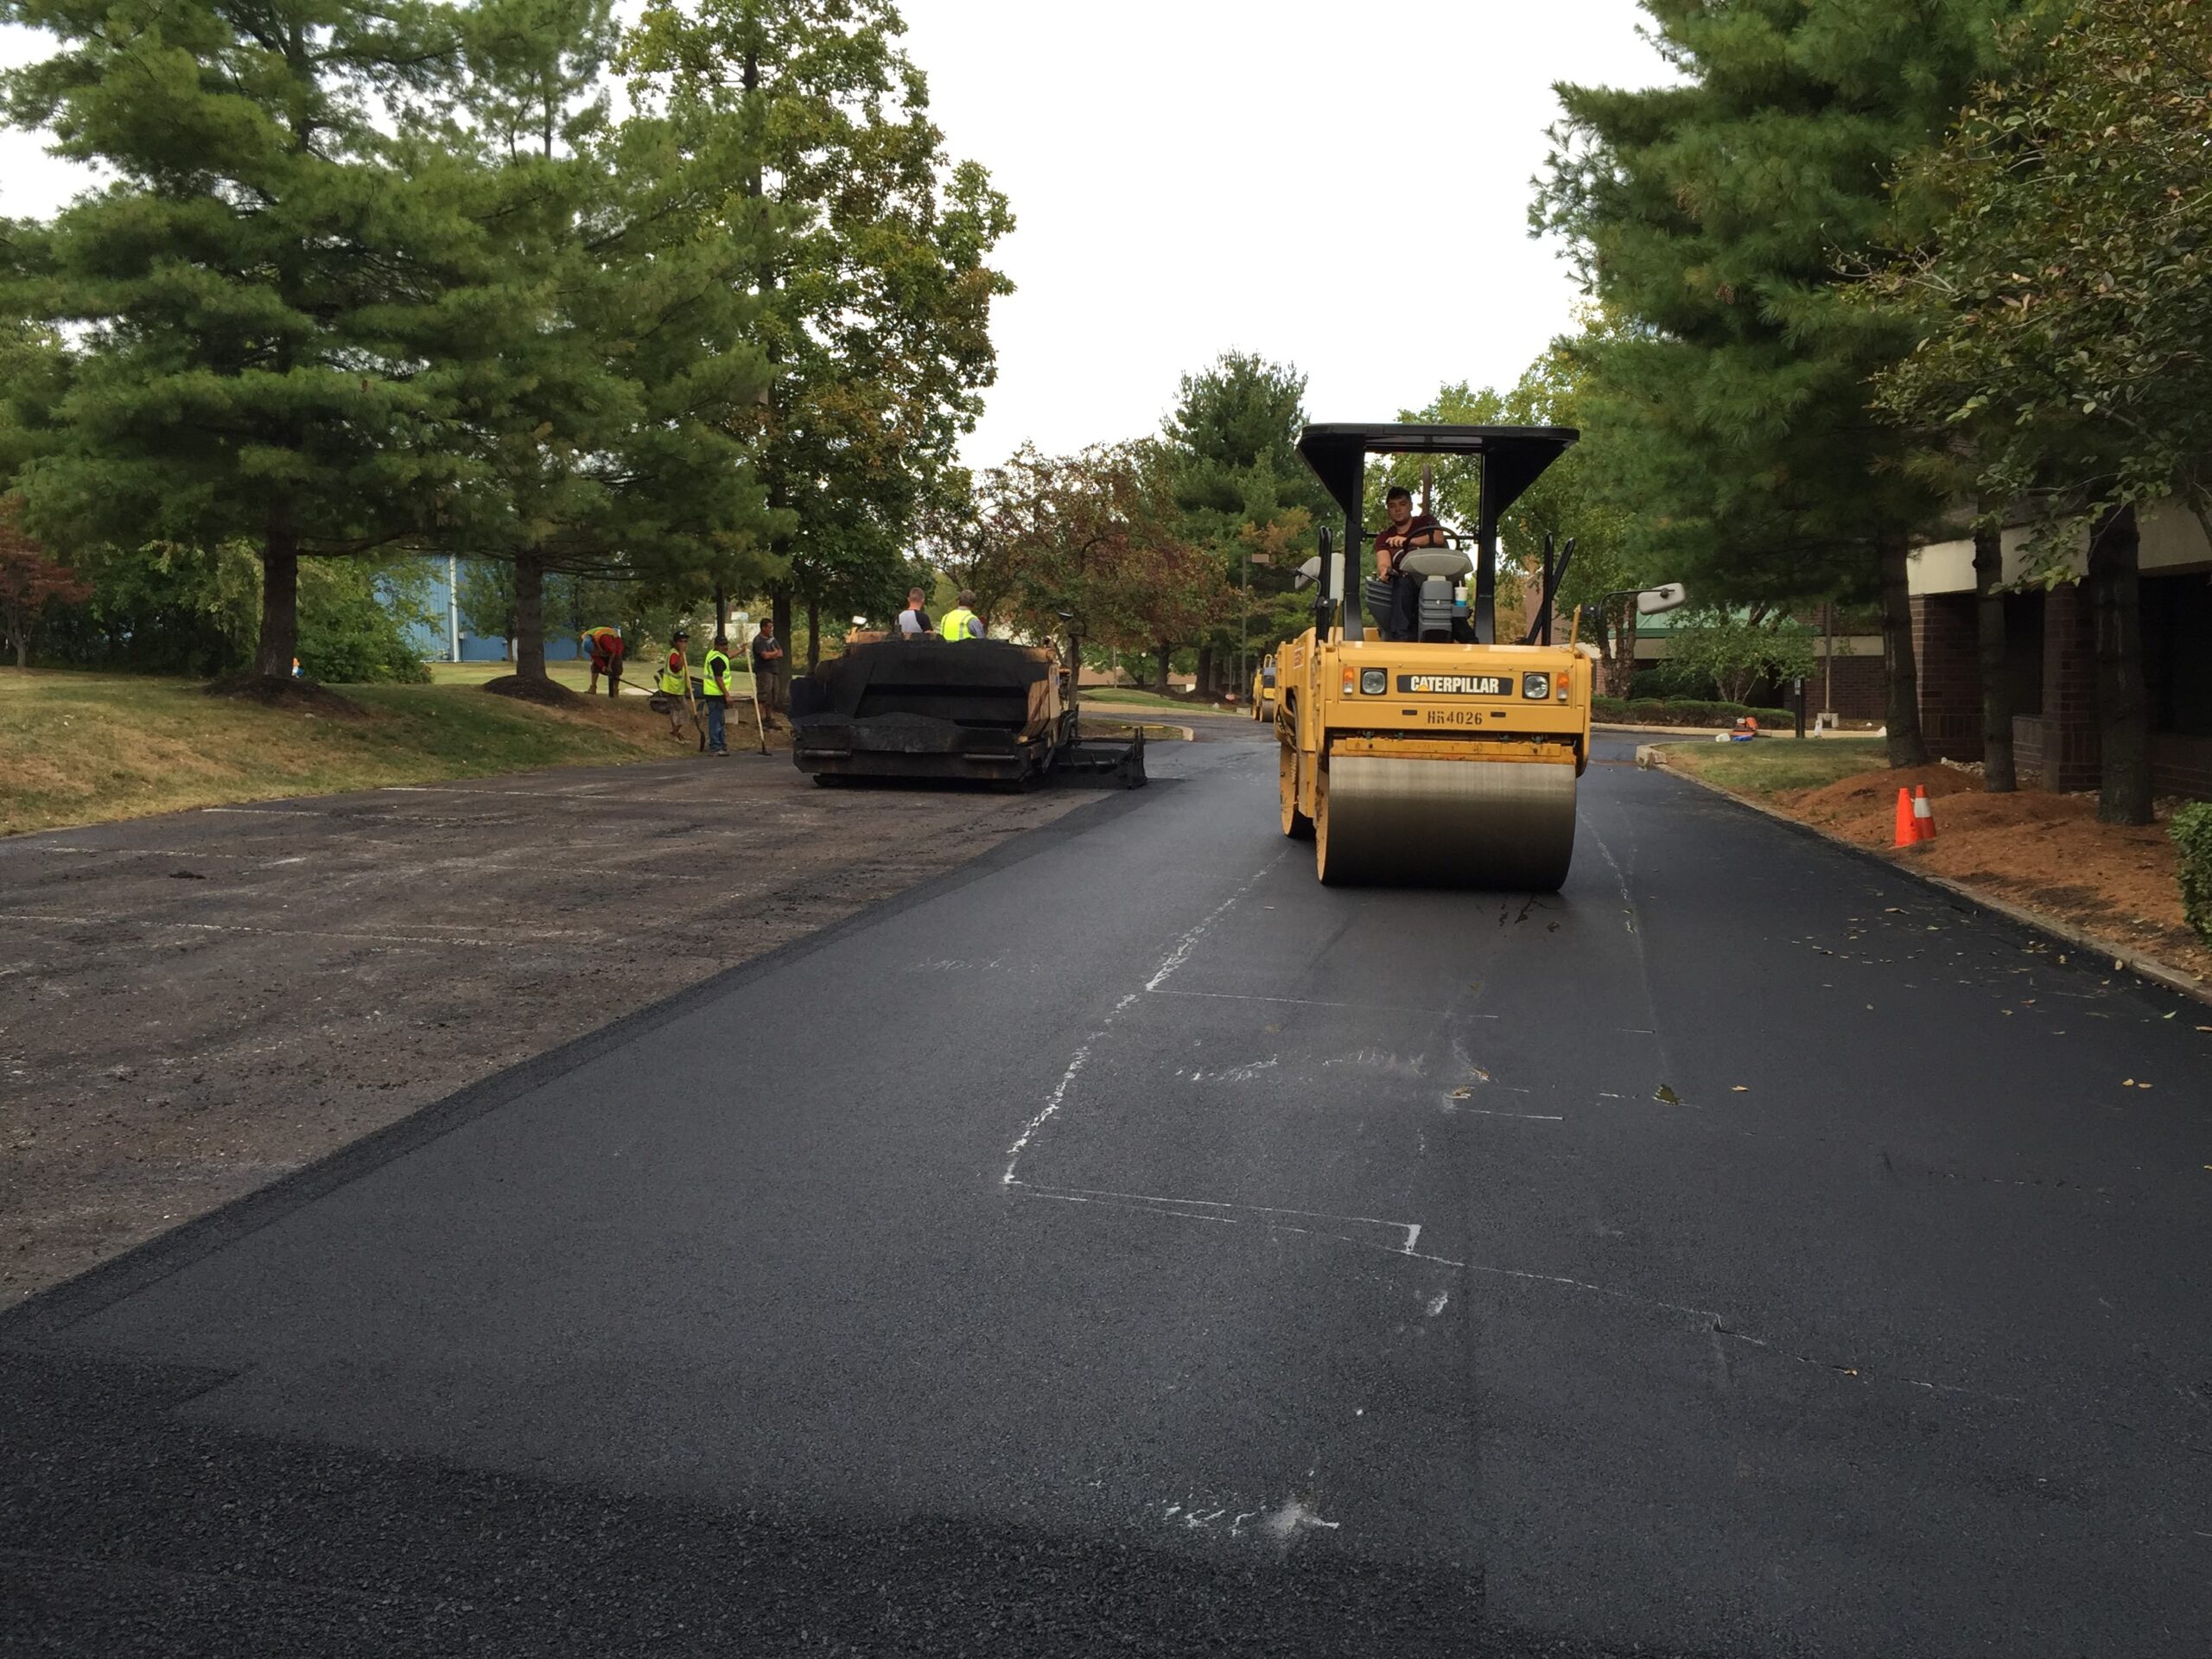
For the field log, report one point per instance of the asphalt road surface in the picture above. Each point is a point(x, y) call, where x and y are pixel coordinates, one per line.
point(1124, 1244)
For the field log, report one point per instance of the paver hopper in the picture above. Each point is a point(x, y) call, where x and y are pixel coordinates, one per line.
point(982, 709)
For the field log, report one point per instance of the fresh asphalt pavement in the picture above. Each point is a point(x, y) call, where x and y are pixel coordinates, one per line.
point(1126, 1244)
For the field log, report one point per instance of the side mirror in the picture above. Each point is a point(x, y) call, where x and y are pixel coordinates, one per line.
point(1667, 596)
point(1308, 573)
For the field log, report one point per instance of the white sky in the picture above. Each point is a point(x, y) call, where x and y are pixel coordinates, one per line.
point(1344, 187)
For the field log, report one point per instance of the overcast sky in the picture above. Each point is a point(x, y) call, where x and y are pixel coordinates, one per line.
point(1342, 186)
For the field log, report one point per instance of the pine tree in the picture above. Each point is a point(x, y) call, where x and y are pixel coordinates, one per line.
point(1718, 218)
point(251, 286)
point(1231, 445)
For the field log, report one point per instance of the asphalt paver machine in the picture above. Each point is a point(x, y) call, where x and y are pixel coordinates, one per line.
point(1448, 758)
point(984, 710)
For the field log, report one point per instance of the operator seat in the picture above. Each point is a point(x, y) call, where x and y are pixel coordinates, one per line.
point(1436, 568)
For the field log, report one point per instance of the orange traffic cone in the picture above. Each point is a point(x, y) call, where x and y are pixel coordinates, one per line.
point(1908, 827)
point(1924, 814)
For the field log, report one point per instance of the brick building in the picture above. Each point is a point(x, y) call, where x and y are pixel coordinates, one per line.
point(2051, 659)
point(1849, 685)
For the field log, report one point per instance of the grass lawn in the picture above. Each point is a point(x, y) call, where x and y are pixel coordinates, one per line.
point(1126, 697)
point(574, 675)
point(82, 748)
point(1769, 765)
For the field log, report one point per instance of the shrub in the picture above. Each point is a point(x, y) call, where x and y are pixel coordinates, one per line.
point(2192, 833)
point(1688, 711)
point(350, 633)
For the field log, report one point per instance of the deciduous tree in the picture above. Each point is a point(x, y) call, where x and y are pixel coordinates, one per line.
point(30, 580)
point(876, 286)
point(2065, 290)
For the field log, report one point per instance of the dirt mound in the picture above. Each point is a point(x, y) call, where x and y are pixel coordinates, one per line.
point(281, 691)
point(545, 693)
point(2045, 851)
point(1862, 806)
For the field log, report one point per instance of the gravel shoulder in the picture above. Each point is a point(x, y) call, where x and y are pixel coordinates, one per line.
point(193, 1006)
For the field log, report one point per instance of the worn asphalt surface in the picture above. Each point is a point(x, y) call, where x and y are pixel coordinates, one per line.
point(1124, 1244)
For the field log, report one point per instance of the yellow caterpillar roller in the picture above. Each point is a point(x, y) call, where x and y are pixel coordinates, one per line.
point(1441, 757)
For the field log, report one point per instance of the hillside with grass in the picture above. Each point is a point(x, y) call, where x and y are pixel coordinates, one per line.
point(83, 749)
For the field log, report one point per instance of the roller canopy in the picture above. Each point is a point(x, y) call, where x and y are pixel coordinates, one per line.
point(1513, 456)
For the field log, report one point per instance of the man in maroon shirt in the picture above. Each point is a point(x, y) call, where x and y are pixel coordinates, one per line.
point(1405, 530)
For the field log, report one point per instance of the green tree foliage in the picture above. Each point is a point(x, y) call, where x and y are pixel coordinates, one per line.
point(1715, 218)
point(2065, 289)
point(353, 617)
point(1571, 499)
point(1737, 649)
point(251, 289)
point(1248, 501)
point(1091, 546)
point(610, 371)
point(876, 287)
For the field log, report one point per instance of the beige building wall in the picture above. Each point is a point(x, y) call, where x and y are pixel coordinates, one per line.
point(2174, 542)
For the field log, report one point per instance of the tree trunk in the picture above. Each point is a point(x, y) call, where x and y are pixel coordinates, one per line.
point(813, 634)
point(721, 619)
point(1901, 678)
point(530, 618)
point(2123, 707)
point(279, 603)
point(1202, 684)
point(1166, 652)
point(1997, 774)
point(1075, 672)
point(779, 611)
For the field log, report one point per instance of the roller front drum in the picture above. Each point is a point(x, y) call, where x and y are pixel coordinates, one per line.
point(1397, 821)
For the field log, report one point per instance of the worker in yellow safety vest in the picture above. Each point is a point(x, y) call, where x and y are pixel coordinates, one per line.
point(715, 698)
point(675, 685)
point(960, 622)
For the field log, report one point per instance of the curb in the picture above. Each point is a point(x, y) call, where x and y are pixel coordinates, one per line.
point(2123, 958)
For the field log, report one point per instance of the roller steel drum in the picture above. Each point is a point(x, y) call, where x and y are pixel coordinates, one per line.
point(1446, 823)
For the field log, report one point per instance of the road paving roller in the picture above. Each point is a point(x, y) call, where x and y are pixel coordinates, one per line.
point(1447, 758)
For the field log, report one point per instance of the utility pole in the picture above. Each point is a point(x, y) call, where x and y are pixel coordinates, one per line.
point(453, 608)
point(1244, 626)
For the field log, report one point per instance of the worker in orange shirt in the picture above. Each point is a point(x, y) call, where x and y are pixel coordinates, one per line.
point(678, 699)
point(606, 647)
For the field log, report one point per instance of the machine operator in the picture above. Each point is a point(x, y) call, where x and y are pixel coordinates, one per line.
point(1405, 530)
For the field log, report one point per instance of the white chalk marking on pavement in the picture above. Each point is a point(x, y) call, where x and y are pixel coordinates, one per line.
point(1285, 1523)
point(1527, 1117)
point(1318, 1002)
point(1197, 1209)
point(1181, 953)
point(1058, 1097)
point(1628, 901)
point(1168, 964)
point(1436, 1303)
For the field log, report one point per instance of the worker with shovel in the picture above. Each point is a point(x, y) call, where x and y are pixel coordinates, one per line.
point(606, 648)
point(714, 696)
point(676, 696)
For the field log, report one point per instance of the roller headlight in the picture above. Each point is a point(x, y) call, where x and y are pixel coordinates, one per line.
point(1374, 682)
point(1536, 686)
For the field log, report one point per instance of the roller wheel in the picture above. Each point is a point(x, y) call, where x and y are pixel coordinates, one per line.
point(1295, 823)
point(1321, 833)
